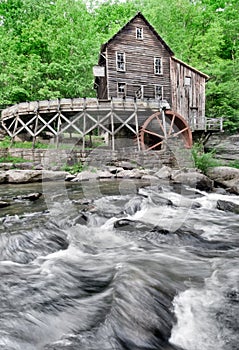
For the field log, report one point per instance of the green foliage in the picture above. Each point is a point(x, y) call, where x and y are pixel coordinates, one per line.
point(48, 48)
point(234, 164)
point(202, 160)
point(11, 159)
point(75, 168)
point(6, 143)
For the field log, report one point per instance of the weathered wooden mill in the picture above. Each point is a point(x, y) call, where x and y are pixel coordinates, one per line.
point(144, 94)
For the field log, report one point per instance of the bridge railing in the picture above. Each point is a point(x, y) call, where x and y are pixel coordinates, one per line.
point(214, 124)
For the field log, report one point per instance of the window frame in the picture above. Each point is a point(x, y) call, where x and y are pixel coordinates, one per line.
point(156, 65)
point(139, 33)
point(121, 93)
point(155, 91)
point(187, 81)
point(118, 62)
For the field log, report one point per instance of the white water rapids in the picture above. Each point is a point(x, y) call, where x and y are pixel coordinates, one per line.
point(155, 269)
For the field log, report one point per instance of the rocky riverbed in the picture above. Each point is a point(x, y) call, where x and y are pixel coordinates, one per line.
point(221, 180)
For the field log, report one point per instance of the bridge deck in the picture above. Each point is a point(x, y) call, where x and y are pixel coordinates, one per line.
point(82, 116)
point(72, 105)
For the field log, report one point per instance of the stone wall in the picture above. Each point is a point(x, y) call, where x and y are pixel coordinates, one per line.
point(50, 158)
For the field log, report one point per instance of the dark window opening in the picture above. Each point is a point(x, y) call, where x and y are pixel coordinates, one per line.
point(139, 33)
point(120, 61)
point(159, 92)
point(122, 89)
point(158, 65)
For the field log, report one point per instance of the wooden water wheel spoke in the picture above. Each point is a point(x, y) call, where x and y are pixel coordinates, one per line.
point(180, 132)
point(159, 127)
point(171, 125)
point(153, 133)
point(154, 146)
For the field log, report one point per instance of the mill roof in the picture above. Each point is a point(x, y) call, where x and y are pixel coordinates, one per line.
point(138, 15)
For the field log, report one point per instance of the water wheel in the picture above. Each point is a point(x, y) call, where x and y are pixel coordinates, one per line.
point(163, 127)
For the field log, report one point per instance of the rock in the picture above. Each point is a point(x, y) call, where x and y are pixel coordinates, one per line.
point(133, 205)
point(220, 190)
point(227, 206)
point(226, 147)
point(86, 176)
point(70, 177)
point(3, 177)
point(126, 165)
point(192, 179)
point(23, 176)
point(150, 178)
point(6, 166)
point(104, 174)
point(114, 170)
point(164, 172)
point(161, 201)
point(50, 175)
point(25, 166)
point(226, 177)
point(129, 174)
point(31, 196)
point(4, 204)
point(38, 167)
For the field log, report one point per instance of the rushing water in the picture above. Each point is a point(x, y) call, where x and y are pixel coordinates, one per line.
point(128, 268)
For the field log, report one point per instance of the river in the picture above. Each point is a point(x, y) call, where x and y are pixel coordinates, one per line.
point(118, 266)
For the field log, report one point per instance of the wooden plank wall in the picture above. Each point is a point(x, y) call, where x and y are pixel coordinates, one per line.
point(139, 60)
point(188, 100)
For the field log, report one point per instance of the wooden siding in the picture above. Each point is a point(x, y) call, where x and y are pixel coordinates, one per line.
point(188, 100)
point(139, 61)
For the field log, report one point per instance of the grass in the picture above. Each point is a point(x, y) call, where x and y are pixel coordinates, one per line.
point(97, 141)
point(6, 143)
point(11, 159)
point(234, 164)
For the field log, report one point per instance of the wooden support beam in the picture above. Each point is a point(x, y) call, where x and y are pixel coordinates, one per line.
point(136, 124)
point(112, 126)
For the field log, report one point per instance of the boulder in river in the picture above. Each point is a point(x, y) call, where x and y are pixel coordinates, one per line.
point(130, 174)
point(25, 176)
point(193, 179)
point(228, 206)
point(31, 196)
point(164, 172)
point(3, 177)
point(4, 204)
point(225, 176)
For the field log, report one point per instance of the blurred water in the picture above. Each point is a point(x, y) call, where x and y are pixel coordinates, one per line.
point(146, 268)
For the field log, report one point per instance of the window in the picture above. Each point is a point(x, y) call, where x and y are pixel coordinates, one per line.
point(139, 33)
point(120, 61)
point(187, 81)
point(158, 65)
point(122, 89)
point(159, 92)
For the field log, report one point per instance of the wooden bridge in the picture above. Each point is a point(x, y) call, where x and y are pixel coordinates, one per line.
point(149, 123)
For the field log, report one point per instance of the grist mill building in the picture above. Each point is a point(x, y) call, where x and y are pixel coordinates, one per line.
point(136, 62)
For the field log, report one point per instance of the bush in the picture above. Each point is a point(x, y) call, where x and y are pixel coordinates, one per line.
point(75, 168)
point(202, 160)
